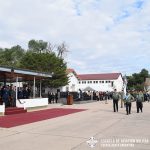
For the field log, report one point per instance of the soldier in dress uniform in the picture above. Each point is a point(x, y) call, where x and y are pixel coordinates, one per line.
point(128, 101)
point(14, 96)
point(139, 101)
point(5, 95)
point(115, 97)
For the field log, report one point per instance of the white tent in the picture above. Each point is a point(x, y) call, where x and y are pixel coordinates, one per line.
point(88, 89)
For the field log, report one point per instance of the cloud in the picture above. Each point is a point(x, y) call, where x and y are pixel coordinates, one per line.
point(138, 4)
point(103, 35)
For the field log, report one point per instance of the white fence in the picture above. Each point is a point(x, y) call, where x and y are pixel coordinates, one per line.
point(2, 108)
point(30, 103)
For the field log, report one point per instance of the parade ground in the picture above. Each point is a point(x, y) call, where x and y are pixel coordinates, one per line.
point(97, 127)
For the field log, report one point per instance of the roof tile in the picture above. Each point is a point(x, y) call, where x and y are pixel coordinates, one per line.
point(106, 76)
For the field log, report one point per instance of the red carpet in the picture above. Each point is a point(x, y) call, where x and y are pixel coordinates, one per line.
point(30, 117)
point(14, 110)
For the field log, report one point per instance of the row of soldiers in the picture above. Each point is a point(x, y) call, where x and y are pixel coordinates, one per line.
point(8, 95)
point(94, 95)
point(137, 96)
point(102, 95)
point(52, 97)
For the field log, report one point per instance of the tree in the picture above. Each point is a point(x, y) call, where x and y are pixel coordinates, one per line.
point(62, 50)
point(46, 62)
point(136, 81)
point(41, 57)
point(11, 57)
point(144, 74)
point(37, 46)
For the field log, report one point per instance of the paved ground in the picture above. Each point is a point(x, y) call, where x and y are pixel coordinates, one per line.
point(72, 132)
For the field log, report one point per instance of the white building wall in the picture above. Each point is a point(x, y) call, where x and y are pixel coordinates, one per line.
point(118, 84)
point(72, 85)
point(2, 108)
point(147, 88)
point(100, 86)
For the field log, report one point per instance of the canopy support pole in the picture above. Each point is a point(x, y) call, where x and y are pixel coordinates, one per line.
point(16, 87)
point(40, 88)
point(34, 88)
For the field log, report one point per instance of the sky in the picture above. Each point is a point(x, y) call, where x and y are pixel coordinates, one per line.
point(103, 36)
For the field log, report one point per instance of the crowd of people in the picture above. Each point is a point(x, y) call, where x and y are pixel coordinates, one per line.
point(8, 94)
point(52, 97)
point(95, 95)
point(138, 96)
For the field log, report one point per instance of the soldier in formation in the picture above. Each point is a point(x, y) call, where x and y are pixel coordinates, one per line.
point(115, 97)
point(128, 102)
point(139, 101)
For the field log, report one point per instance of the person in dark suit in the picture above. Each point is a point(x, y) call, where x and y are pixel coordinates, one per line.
point(49, 98)
point(20, 93)
point(1, 95)
point(56, 97)
point(5, 95)
point(80, 94)
point(28, 90)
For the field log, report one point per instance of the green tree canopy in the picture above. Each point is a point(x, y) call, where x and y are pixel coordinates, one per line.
point(37, 46)
point(136, 80)
point(38, 57)
point(12, 56)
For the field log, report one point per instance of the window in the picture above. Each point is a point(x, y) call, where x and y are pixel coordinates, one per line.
point(96, 81)
point(83, 82)
point(102, 81)
point(79, 82)
point(90, 81)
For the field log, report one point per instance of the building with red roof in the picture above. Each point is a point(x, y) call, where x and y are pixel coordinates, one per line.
point(97, 82)
point(106, 76)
